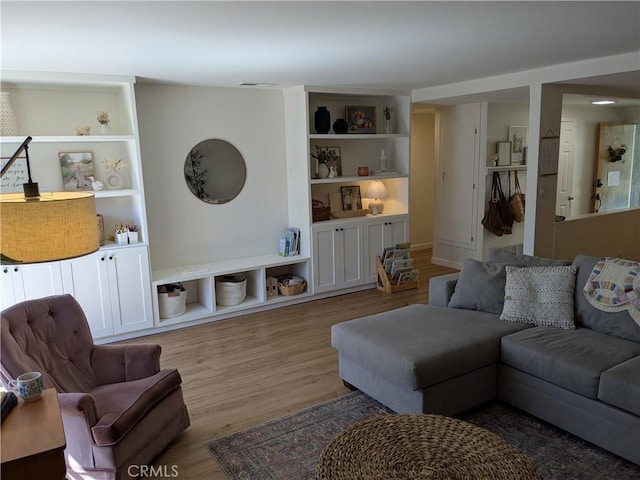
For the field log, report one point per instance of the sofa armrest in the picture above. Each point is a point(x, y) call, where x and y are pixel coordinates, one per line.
point(441, 288)
point(123, 363)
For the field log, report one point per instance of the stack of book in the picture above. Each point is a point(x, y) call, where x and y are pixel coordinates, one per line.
point(289, 243)
point(9, 400)
point(398, 264)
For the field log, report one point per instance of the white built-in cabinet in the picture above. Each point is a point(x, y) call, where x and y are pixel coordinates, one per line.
point(344, 250)
point(113, 288)
point(26, 282)
point(113, 285)
point(381, 232)
point(338, 253)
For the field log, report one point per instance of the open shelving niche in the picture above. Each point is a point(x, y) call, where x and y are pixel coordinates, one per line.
point(49, 107)
point(200, 285)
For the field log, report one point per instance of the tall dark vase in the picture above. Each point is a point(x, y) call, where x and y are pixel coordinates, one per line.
point(322, 120)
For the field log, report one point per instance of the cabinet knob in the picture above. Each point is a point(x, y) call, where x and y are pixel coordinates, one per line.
point(110, 257)
point(102, 259)
point(5, 270)
point(15, 269)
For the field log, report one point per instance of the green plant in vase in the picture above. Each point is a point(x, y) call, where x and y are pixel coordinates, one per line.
point(324, 156)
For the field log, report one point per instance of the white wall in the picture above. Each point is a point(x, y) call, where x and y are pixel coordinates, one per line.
point(182, 229)
point(586, 120)
point(422, 182)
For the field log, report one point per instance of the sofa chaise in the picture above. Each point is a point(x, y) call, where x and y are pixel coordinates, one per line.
point(517, 328)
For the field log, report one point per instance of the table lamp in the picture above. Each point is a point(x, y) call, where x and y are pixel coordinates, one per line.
point(377, 191)
point(55, 226)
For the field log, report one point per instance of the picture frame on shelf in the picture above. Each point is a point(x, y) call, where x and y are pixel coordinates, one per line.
point(361, 119)
point(76, 168)
point(504, 153)
point(351, 198)
point(518, 139)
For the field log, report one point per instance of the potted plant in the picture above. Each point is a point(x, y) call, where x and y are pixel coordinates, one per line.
point(324, 156)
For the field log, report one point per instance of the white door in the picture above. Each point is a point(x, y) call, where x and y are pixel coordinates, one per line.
point(130, 288)
point(86, 278)
point(352, 255)
point(565, 169)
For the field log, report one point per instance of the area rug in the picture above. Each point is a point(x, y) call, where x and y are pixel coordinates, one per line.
point(287, 448)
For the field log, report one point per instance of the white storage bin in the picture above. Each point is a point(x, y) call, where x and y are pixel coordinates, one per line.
point(231, 289)
point(172, 305)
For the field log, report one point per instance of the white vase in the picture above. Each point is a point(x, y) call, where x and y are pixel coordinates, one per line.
point(8, 124)
point(323, 170)
point(114, 180)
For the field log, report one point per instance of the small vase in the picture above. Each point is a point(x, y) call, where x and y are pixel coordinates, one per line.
point(387, 125)
point(340, 126)
point(115, 180)
point(322, 120)
point(363, 171)
point(8, 124)
point(323, 170)
point(104, 129)
point(333, 173)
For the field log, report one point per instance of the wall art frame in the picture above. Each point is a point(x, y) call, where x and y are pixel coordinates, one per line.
point(361, 119)
point(76, 168)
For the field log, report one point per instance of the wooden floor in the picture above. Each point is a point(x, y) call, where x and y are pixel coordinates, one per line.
point(247, 370)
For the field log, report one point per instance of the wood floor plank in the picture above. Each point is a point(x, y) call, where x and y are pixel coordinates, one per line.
point(247, 370)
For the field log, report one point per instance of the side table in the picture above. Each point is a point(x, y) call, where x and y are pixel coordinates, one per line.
point(33, 440)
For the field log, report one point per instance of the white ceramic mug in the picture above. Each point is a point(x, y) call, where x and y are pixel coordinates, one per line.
point(28, 385)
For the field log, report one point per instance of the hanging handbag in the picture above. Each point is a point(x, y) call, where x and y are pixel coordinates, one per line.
point(492, 220)
point(506, 213)
point(517, 199)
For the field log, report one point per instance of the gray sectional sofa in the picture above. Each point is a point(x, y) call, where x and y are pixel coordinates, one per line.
point(566, 362)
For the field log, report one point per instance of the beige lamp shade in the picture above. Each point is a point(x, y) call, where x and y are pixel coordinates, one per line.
point(56, 226)
point(377, 191)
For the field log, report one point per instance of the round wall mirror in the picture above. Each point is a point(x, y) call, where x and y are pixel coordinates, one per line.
point(215, 171)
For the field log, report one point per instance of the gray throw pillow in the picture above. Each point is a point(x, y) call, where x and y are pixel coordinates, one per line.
point(480, 287)
point(499, 255)
point(541, 296)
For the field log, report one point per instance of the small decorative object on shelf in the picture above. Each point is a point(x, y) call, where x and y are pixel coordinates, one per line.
point(384, 166)
point(326, 157)
point(103, 120)
point(115, 178)
point(340, 126)
point(97, 185)
point(322, 120)
point(387, 118)
point(351, 199)
point(378, 192)
point(8, 124)
point(363, 171)
point(82, 131)
point(126, 234)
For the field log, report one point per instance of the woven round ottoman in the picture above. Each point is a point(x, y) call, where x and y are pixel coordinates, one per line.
point(421, 446)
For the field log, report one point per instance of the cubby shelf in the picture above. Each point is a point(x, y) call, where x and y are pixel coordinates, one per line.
point(199, 280)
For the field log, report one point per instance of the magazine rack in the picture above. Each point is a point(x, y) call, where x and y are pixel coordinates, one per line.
point(385, 285)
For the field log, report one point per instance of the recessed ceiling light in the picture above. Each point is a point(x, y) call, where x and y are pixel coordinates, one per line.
point(603, 102)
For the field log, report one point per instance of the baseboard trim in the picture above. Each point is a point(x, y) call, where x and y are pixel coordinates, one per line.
point(446, 263)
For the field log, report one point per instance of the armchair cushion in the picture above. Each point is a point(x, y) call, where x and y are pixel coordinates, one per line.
point(121, 405)
point(123, 363)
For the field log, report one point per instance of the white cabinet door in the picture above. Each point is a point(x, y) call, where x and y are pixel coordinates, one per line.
point(27, 282)
point(86, 278)
point(114, 289)
point(130, 284)
point(337, 256)
point(381, 233)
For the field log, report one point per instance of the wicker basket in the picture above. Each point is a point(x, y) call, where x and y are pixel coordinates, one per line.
point(100, 220)
point(290, 290)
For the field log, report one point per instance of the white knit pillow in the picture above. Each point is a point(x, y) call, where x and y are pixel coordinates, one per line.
point(541, 296)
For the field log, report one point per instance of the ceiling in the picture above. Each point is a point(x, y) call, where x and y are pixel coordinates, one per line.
point(377, 44)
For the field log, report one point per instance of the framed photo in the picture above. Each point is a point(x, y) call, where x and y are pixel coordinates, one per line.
point(16, 176)
point(351, 199)
point(361, 119)
point(504, 153)
point(518, 139)
point(76, 169)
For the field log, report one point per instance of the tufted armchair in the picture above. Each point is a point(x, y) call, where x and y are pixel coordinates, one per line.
point(118, 407)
